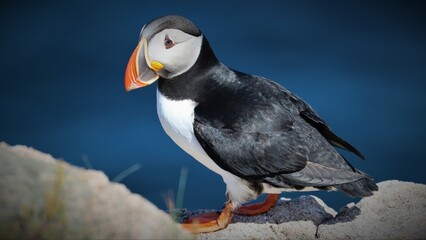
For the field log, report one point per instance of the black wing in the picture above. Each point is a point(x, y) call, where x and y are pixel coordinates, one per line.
point(315, 121)
point(311, 117)
point(252, 155)
point(253, 130)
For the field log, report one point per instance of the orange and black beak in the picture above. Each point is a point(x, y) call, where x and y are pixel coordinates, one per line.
point(140, 71)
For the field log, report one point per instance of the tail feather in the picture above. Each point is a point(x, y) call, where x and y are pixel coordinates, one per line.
point(363, 187)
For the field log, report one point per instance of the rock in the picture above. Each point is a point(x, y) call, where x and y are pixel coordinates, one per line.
point(290, 219)
point(45, 198)
point(289, 230)
point(41, 197)
point(396, 211)
point(304, 208)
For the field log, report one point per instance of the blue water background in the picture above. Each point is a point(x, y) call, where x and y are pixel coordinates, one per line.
point(360, 64)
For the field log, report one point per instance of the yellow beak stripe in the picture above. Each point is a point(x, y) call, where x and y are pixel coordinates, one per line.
point(156, 66)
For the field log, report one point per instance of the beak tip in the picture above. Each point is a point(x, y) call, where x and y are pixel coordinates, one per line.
point(127, 84)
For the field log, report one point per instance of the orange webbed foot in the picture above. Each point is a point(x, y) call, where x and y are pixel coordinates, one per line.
point(209, 222)
point(258, 208)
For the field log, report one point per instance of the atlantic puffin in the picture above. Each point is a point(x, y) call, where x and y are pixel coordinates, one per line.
point(257, 135)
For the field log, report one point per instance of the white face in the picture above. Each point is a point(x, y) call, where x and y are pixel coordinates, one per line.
point(176, 50)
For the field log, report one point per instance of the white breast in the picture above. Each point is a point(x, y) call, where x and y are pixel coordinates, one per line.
point(177, 118)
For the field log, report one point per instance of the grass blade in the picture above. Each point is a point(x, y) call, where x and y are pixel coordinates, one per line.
point(126, 172)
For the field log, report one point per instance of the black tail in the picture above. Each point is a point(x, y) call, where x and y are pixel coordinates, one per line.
point(363, 187)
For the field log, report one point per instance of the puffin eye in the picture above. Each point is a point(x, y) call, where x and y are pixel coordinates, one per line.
point(168, 43)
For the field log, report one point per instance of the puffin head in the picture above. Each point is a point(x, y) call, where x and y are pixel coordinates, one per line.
point(168, 47)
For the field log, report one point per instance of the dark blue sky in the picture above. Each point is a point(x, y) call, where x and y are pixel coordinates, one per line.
point(360, 64)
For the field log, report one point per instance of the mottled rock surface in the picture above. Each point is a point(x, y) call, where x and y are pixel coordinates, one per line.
point(45, 198)
point(396, 211)
point(304, 208)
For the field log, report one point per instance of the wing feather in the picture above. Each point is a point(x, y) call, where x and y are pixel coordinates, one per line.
point(252, 155)
point(315, 175)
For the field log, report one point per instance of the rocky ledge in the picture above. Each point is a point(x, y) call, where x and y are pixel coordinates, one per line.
point(45, 198)
point(396, 211)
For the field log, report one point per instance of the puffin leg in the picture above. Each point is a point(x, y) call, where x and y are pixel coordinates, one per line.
point(209, 222)
point(258, 208)
point(203, 218)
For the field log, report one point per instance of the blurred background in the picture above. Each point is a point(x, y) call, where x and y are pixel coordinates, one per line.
point(360, 64)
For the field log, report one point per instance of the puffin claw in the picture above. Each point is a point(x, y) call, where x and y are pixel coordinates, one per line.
point(209, 222)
